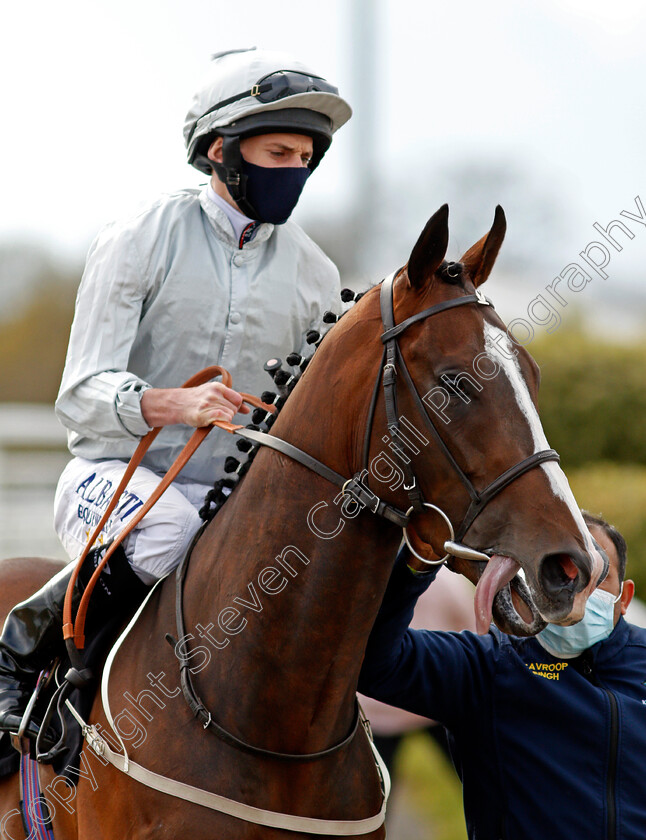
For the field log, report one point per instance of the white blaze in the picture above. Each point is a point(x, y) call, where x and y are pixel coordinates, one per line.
point(509, 365)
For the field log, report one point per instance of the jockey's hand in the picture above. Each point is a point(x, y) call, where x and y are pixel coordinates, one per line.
point(199, 406)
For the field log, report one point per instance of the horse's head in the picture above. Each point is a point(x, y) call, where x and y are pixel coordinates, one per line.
point(486, 462)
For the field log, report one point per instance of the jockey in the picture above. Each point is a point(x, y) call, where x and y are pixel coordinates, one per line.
point(200, 277)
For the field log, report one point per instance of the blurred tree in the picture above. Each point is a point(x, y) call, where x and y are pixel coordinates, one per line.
point(592, 403)
point(37, 292)
point(26, 267)
point(618, 493)
point(592, 398)
point(432, 789)
point(33, 347)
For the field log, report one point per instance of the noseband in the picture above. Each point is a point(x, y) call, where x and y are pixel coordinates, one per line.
point(356, 487)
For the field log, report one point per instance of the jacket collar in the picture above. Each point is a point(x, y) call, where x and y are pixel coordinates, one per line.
point(610, 647)
point(224, 230)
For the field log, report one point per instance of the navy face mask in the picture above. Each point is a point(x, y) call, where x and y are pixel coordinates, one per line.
point(273, 192)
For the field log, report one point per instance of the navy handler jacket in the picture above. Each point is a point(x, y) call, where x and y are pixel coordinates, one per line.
point(545, 747)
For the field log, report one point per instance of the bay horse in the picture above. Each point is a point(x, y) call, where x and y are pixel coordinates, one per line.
point(284, 584)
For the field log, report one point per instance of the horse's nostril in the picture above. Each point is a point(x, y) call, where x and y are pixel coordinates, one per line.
point(568, 565)
point(558, 571)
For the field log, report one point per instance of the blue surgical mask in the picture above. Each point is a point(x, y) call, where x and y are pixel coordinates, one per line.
point(273, 191)
point(595, 626)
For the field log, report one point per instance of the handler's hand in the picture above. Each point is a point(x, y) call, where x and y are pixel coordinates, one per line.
point(199, 406)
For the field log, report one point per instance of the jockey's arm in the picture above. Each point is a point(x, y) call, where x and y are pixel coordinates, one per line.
point(100, 398)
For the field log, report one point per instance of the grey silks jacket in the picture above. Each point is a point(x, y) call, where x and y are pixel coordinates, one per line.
point(169, 292)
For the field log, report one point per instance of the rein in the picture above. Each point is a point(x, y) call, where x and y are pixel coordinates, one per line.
point(353, 487)
point(73, 631)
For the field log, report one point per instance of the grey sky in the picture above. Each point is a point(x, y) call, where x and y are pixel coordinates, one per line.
point(94, 95)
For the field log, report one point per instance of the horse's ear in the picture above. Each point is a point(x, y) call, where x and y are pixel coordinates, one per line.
point(479, 259)
point(430, 248)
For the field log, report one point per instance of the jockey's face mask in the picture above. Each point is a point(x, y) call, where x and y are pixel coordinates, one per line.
point(273, 192)
point(263, 193)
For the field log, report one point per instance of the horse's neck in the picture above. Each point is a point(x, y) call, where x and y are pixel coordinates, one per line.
point(288, 585)
point(288, 612)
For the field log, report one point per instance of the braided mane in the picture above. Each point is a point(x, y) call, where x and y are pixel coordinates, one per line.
point(261, 420)
point(285, 382)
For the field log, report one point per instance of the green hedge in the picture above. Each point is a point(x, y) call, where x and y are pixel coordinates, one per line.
point(431, 789)
point(593, 398)
point(618, 493)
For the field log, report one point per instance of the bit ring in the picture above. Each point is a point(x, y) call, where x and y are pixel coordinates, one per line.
point(408, 542)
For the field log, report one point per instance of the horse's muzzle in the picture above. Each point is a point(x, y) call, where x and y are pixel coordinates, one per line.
point(563, 578)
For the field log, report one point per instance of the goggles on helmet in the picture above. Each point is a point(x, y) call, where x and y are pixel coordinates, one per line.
point(276, 86)
point(280, 84)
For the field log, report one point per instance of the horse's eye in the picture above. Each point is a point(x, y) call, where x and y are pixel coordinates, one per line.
point(460, 385)
point(453, 382)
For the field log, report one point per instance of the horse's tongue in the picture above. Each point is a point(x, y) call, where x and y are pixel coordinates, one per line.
point(498, 572)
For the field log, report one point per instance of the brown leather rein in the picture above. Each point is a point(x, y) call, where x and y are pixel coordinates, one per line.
point(75, 630)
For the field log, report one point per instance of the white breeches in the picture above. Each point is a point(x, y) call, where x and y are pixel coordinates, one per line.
point(160, 540)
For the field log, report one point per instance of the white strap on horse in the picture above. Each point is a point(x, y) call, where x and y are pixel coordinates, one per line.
point(259, 816)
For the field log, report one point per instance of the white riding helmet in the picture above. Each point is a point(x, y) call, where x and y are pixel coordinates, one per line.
point(254, 91)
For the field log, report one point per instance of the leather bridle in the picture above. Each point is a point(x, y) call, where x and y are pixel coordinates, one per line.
point(356, 488)
point(394, 360)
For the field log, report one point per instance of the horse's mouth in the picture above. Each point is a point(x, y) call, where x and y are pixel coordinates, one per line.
point(515, 612)
point(557, 593)
point(502, 596)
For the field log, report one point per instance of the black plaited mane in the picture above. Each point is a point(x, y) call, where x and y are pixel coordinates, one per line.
point(285, 381)
point(451, 272)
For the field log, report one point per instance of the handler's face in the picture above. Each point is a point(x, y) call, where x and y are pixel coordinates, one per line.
point(612, 583)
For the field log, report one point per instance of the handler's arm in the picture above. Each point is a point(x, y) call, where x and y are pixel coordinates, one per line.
point(437, 674)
